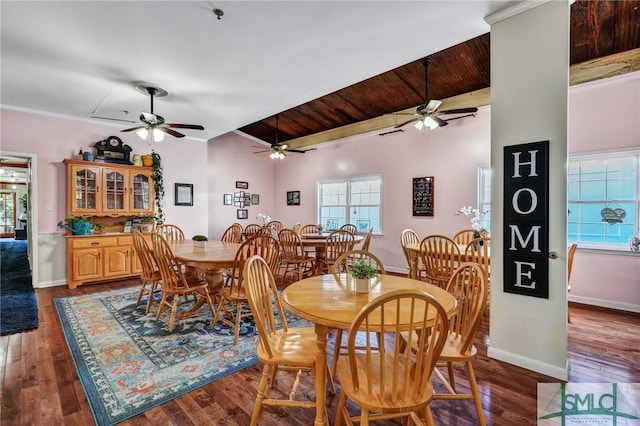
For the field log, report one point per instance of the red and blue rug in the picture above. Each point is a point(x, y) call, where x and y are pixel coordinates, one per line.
point(128, 362)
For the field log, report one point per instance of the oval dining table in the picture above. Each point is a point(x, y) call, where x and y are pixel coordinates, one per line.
point(215, 257)
point(330, 301)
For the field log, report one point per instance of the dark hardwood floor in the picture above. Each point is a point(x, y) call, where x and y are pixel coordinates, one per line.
point(40, 385)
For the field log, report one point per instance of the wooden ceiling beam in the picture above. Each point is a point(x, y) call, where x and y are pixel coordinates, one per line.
point(605, 67)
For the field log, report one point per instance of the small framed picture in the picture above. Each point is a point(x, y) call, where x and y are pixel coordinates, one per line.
point(242, 185)
point(184, 194)
point(255, 199)
point(242, 214)
point(239, 203)
point(293, 198)
point(247, 199)
point(228, 199)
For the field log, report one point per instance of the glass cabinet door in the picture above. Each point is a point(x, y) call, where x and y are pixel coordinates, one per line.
point(115, 190)
point(86, 187)
point(141, 192)
point(7, 214)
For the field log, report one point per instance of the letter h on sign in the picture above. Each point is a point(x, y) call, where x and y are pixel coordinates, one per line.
point(526, 219)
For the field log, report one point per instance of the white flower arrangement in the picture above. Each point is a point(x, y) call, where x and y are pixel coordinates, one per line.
point(477, 221)
point(265, 218)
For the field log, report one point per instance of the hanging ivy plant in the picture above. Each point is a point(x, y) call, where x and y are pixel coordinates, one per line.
point(158, 186)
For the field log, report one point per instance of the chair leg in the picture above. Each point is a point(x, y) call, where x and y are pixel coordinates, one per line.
point(337, 345)
point(452, 379)
point(141, 292)
point(260, 396)
point(237, 325)
point(429, 416)
point(174, 312)
point(476, 394)
point(341, 411)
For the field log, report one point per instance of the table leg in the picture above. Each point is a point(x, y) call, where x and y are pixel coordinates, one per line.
point(321, 375)
point(320, 258)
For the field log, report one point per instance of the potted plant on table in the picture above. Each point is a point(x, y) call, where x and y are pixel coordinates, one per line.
point(146, 223)
point(200, 241)
point(362, 272)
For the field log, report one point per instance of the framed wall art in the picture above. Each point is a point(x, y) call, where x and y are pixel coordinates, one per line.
point(242, 185)
point(228, 199)
point(423, 196)
point(255, 199)
point(293, 198)
point(183, 194)
point(242, 214)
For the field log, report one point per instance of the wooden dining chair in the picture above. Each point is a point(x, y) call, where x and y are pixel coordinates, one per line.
point(233, 234)
point(281, 348)
point(469, 286)
point(342, 265)
point(297, 227)
point(367, 240)
point(294, 256)
point(570, 255)
point(478, 251)
point(150, 275)
point(250, 230)
point(351, 228)
point(464, 236)
point(309, 229)
point(337, 243)
point(170, 232)
point(414, 260)
point(234, 293)
point(175, 284)
point(440, 256)
point(384, 381)
point(278, 225)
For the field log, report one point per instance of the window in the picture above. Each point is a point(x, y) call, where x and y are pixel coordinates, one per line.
point(602, 193)
point(357, 201)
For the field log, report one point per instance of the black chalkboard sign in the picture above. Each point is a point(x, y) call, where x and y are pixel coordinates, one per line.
point(423, 196)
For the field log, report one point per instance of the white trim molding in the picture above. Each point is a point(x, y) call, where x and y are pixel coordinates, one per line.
point(529, 363)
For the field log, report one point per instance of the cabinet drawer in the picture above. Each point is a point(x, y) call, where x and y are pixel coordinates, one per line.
point(125, 241)
point(93, 242)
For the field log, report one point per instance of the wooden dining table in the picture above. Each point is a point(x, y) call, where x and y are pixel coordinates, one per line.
point(214, 258)
point(330, 301)
point(318, 242)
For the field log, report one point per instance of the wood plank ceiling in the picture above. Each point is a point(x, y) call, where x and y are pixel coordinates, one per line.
point(598, 29)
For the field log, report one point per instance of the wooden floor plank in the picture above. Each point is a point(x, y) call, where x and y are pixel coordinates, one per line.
point(39, 382)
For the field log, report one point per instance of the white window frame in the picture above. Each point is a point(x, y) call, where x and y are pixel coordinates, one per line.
point(348, 205)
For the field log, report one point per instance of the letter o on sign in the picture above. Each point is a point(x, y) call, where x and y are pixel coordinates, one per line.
point(515, 201)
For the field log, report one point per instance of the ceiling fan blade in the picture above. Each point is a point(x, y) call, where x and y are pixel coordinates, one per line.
point(260, 152)
point(404, 124)
point(113, 119)
point(170, 132)
point(135, 128)
point(458, 118)
point(301, 151)
point(460, 111)
point(433, 105)
point(185, 126)
point(439, 120)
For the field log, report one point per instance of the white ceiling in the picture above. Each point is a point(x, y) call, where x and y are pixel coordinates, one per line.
point(79, 58)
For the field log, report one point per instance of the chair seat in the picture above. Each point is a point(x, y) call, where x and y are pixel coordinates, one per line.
point(379, 403)
point(294, 347)
point(451, 350)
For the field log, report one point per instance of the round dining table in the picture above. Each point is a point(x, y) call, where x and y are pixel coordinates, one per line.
point(330, 301)
point(318, 242)
point(214, 258)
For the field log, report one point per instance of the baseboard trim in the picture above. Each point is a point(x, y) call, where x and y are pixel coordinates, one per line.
point(610, 304)
point(530, 364)
point(56, 283)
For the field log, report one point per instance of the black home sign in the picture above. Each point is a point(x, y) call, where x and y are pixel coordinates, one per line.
point(526, 219)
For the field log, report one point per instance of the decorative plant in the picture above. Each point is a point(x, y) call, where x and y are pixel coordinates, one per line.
point(265, 218)
point(72, 219)
point(158, 186)
point(200, 238)
point(148, 219)
point(23, 201)
point(363, 270)
point(97, 227)
point(477, 221)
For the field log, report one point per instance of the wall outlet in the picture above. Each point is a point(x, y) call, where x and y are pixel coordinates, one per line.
point(49, 207)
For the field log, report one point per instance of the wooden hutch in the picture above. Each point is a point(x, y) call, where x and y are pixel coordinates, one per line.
point(111, 194)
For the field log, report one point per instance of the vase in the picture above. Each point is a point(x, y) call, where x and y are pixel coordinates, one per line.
point(362, 285)
point(147, 160)
point(146, 227)
point(200, 244)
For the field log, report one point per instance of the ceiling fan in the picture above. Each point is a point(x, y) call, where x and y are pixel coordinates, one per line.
point(277, 149)
point(427, 114)
point(154, 123)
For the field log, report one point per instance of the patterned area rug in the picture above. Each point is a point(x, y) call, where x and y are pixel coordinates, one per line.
point(128, 362)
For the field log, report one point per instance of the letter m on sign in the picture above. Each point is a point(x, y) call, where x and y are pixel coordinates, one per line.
point(526, 219)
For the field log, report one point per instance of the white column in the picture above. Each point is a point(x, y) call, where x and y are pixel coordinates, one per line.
point(529, 94)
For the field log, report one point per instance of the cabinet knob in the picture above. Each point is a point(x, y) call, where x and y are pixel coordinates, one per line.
point(95, 243)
